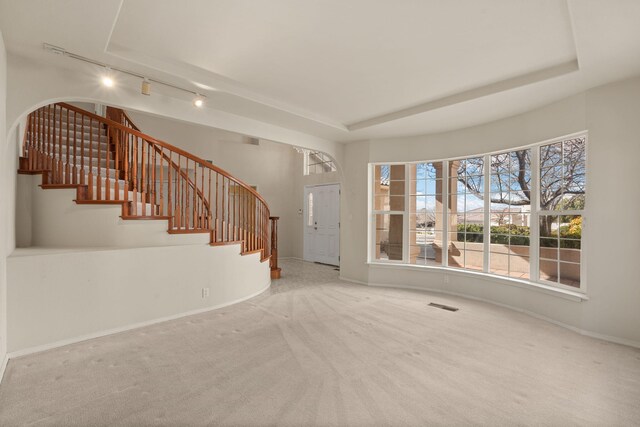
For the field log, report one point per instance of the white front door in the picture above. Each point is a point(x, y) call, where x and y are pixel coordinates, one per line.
point(322, 224)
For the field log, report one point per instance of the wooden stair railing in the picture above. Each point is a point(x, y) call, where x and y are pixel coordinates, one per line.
point(110, 161)
point(273, 263)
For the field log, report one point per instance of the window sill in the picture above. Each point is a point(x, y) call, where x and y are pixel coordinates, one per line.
point(524, 284)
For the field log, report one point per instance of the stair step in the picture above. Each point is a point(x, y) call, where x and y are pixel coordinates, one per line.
point(79, 118)
point(94, 161)
point(79, 133)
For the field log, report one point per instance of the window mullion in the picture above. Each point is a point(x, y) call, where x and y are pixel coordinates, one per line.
point(445, 212)
point(406, 216)
point(534, 227)
point(487, 213)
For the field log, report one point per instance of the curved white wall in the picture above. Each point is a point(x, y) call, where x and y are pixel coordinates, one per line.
point(58, 297)
point(612, 236)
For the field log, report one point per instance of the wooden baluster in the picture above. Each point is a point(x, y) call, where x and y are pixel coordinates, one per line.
point(202, 204)
point(91, 174)
point(226, 209)
point(234, 211)
point(67, 169)
point(60, 158)
point(43, 139)
point(185, 195)
point(124, 140)
point(143, 190)
point(209, 213)
point(41, 131)
point(134, 174)
point(38, 158)
point(117, 167)
point(150, 176)
point(107, 183)
point(54, 147)
point(170, 211)
point(241, 215)
point(27, 148)
point(49, 138)
point(48, 150)
point(115, 134)
point(194, 208)
point(99, 162)
point(216, 225)
point(37, 140)
point(74, 170)
point(82, 171)
point(36, 135)
point(178, 194)
point(161, 181)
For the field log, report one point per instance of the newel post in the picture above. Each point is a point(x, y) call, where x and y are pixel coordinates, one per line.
point(275, 270)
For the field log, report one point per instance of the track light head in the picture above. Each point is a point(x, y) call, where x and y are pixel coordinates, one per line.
point(107, 80)
point(146, 87)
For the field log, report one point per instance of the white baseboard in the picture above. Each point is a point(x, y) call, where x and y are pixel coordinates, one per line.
point(3, 367)
point(610, 338)
point(44, 347)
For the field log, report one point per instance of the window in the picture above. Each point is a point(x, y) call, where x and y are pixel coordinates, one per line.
point(466, 213)
point(510, 217)
point(317, 162)
point(388, 207)
point(498, 216)
point(310, 210)
point(426, 227)
point(562, 200)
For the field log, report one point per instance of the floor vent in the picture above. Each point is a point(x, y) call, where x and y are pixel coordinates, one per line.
point(444, 307)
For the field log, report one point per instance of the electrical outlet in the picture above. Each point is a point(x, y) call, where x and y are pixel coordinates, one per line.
point(446, 278)
point(205, 292)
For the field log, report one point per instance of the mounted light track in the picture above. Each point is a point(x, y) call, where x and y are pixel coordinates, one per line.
point(146, 81)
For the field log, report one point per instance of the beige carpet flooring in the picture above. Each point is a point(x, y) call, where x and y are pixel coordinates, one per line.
point(317, 351)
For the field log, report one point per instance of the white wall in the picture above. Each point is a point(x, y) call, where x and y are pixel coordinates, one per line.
point(5, 197)
point(89, 293)
point(612, 238)
point(269, 165)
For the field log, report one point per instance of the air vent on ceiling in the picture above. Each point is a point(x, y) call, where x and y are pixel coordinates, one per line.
point(444, 307)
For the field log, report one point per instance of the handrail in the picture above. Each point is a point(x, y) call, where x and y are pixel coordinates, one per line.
point(163, 144)
point(109, 160)
point(131, 125)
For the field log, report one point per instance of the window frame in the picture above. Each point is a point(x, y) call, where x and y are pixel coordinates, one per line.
point(535, 214)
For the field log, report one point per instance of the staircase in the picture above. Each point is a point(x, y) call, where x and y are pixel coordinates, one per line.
point(109, 161)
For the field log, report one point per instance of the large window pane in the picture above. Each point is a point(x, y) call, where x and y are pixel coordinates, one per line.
point(466, 213)
point(562, 175)
point(426, 220)
point(389, 236)
point(510, 213)
point(560, 252)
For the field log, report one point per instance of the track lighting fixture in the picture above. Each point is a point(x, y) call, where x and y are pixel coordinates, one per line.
point(146, 87)
point(107, 80)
